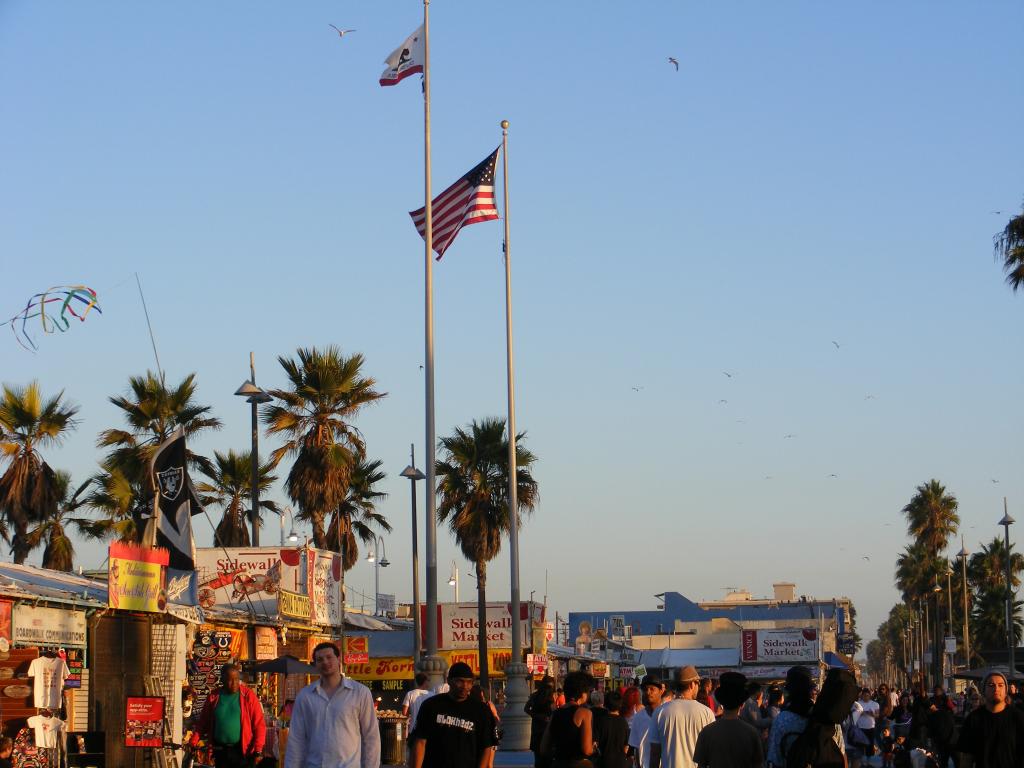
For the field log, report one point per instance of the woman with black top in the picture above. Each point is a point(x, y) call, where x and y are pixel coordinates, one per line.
point(539, 707)
point(569, 738)
point(612, 741)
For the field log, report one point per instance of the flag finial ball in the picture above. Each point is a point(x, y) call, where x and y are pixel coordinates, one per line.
point(504, 124)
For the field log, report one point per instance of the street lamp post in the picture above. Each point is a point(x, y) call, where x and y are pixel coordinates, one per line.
point(255, 396)
point(937, 649)
point(1011, 640)
point(292, 536)
point(414, 475)
point(378, 563)
point(962, 554)
point(949, 625)
point(453, 580)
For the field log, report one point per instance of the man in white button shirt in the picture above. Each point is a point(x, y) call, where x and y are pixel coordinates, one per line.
point(333, 721)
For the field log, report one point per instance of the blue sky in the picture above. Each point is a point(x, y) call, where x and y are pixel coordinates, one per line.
point(813, 173)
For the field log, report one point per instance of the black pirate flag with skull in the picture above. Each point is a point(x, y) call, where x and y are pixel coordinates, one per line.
point(174, 503)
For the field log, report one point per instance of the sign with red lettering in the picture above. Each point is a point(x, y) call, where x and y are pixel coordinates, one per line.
point(144, 721)
point(779, 645)
point(457, 624)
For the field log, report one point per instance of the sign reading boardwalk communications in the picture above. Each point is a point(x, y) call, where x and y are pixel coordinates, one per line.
point(457, 624)
point(48, 626)
point(780, 645)
point(135, 578)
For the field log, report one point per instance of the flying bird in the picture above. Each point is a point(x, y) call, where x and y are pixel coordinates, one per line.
point(866, 558)
point(723, 402)
point(636, 389)
point(341, 32)
point(727, 374)
point(674, 61)
point(787, 437)
point(833, 475)
point(996, 213)
point(836, 343)
point(869, 397)
point(994, 480)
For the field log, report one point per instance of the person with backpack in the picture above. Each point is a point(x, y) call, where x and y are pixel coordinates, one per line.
point(795, 741)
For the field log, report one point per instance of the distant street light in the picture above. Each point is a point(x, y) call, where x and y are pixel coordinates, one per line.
point(414, 475)
point(453, 580)
point(378, 563)
point(962, 554)
point(292, 536)
point(254, 396)
point(1011, 640)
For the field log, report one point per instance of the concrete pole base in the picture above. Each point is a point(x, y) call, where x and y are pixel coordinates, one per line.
point(435, 668)
point(514, 719)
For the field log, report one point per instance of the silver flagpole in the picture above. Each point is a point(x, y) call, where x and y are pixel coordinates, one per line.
point(432, 664)
point(514, 719)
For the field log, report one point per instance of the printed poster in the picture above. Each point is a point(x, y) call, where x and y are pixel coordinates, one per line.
point(136, 578)
point(5, 625)
point(144, 721)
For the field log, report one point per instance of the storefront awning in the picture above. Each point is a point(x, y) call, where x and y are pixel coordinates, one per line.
point(674, 658)
point(831, 660)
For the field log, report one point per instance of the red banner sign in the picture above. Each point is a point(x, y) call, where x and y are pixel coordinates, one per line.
point(144, 721)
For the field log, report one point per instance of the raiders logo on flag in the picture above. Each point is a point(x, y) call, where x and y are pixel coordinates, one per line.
point(171, 482)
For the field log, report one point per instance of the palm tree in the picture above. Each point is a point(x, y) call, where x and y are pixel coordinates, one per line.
point(358, 513)
point(916, 571)
point(327, 391)
point(59, 552)
point(986, 569)
point(988, 619)
point(473, 493)
point(931, 517)
point(153, 411)
point(28, 488)
point(230, 487)
point(1009, 246)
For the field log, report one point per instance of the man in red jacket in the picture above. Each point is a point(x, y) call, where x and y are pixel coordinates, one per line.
point(232, 721)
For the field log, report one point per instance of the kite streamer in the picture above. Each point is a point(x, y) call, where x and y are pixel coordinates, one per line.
point(54, 307)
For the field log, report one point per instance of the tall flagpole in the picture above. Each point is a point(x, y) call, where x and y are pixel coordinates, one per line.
point(432, 665)
point(515, 720)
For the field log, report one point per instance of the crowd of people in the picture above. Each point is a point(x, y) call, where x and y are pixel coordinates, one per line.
point(735, 723)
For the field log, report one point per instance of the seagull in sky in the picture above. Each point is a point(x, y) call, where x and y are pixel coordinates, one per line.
point(674, 61)
point(833, 475)
point(869, 397)
point(789, 436)
point(995, 213)
point(723, 402)
point(836, 343)
point(869, 560)
point(342, 32)
point(727, 374)
point(996, 482)
point(636, 389)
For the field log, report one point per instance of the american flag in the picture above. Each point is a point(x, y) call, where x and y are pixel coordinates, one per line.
point(469, 200)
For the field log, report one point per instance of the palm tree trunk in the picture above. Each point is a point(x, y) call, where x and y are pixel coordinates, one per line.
point(481, 620)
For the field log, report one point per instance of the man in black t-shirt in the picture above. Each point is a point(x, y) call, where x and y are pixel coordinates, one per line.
point(452, 730)
point(993, 736)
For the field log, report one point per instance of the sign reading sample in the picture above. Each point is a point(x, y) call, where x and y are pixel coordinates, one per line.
point(48, 626)
point(135, 578)
point(457, 625)
point(780, 645)
point(144, 721)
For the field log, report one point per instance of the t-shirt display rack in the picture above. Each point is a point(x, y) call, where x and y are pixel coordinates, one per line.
point(42, 742)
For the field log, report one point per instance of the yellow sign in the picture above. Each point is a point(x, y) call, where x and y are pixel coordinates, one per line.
point(293, 604)
point(402, 667)
point(135, 578)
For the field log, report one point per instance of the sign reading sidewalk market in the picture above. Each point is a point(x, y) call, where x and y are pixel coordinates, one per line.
point(779, 645)
point(457, 624)
point(135, 578)
point(48, 626)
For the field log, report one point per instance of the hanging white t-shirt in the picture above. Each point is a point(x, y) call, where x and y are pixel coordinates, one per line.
point(48, 730)
point(49, 675)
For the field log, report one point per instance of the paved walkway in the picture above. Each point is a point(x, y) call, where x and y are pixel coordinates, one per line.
point(510, 759)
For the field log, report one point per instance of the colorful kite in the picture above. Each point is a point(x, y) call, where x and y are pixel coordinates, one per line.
point(54, 308)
